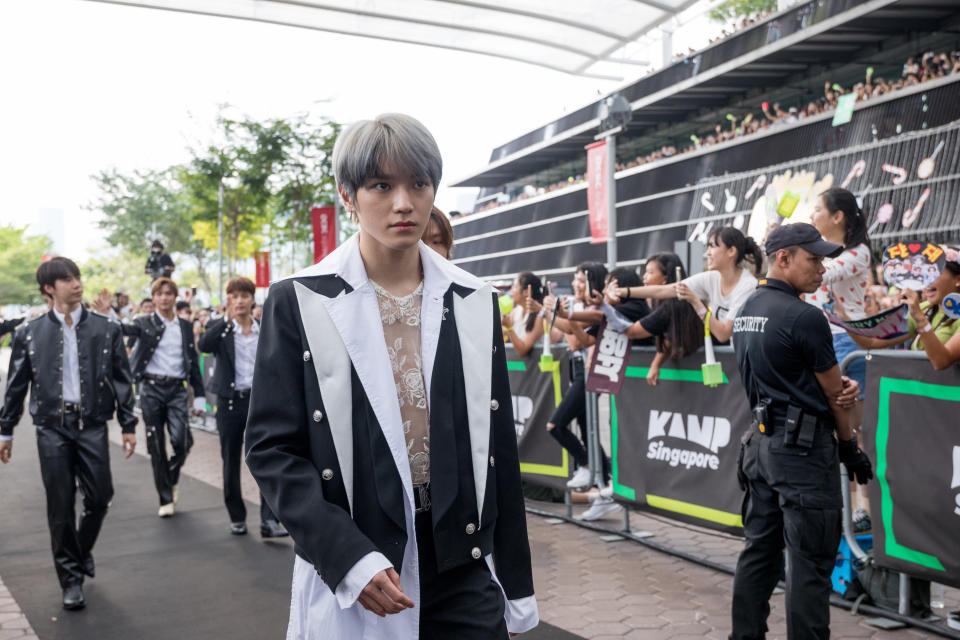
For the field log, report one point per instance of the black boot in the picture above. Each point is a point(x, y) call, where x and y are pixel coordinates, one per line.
point(88, 567)
point(73, 597)
point(272, 529)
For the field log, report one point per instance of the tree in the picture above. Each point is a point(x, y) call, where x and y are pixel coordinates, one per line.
point(118, 270)
point(740, 9)
point(20, 255)
point(144, 206)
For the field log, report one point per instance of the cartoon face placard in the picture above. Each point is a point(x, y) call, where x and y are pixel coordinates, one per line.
point(912, 265)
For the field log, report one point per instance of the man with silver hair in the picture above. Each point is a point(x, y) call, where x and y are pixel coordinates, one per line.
point(383, 436)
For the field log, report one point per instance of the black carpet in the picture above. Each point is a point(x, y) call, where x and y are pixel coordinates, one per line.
point(181, 578)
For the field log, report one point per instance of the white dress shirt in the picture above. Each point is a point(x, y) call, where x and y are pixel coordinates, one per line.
point(245, 354)
point(168, 358)
point(71, 360)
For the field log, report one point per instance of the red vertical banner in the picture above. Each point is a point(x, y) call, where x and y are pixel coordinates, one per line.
point(324, 221)
point(262, 259)
point(597, 191)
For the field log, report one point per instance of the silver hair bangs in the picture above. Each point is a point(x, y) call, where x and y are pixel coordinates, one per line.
point(365, 148)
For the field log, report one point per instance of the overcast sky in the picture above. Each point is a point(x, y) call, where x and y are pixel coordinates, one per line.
point(87, 86)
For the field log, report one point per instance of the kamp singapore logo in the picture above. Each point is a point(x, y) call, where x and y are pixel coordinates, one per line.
point(702, 438)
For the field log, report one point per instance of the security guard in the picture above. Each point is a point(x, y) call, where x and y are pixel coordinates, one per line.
point(788, 459)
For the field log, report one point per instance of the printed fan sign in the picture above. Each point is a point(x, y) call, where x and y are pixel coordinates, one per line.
point(597, 204)
point(844, 112)
point(912, 265)
point(262, 260)
point(609, 363)
point(891, 323)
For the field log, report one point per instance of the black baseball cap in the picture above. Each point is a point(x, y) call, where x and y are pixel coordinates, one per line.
point(801, 235)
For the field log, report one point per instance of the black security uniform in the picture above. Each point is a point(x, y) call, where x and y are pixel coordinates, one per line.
point(789, 466)
point(163, 399)
point(71, 438)
point(232, 407)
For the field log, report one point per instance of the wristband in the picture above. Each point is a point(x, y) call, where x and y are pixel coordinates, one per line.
point(702, 313)
point(925, 328)
point(627, 297)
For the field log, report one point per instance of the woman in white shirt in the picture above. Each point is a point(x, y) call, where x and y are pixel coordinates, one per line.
point(723, 287)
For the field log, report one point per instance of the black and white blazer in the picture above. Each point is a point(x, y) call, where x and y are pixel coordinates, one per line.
point(325, 443)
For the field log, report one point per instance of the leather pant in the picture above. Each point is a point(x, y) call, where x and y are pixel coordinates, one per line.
point(164, 404)
point(231, 423)
point(71, 455)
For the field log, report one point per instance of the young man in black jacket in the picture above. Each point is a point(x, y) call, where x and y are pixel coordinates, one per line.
point(163, 360)
point(75, 366)
point(233, 339)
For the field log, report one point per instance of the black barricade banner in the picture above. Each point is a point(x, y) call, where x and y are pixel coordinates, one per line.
point(208, 364)
point(675, 445)
point(536, 392)
point(911, 435)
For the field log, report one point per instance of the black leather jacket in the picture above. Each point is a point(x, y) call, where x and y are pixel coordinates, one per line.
point(147, 331)
point(37, 364)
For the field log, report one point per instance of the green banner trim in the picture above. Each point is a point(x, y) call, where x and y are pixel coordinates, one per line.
point(696, 511)
point(683, 375)
point(561, 470)
point(619, 489)
point(889, 386)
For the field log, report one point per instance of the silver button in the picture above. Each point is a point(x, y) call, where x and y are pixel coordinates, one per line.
point(475, 553)
point(327, 474)
point(306, 356)
point(491, 461)
point(471, 529)
point(494, 404)
point(317, 415)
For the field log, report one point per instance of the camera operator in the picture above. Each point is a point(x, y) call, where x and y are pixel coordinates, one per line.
point(159, 264)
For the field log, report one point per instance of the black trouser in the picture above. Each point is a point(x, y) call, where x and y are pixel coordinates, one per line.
point(793, 499)
point(70, 455)
point(164, 404)
point(231, 422)
point(574, 405)
point(464, 602)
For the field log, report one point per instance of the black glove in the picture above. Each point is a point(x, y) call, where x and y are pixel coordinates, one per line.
point(857, 463)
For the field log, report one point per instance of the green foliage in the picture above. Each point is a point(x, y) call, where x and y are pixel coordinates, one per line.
point(272, 173)
point(20, 255)
point(116, 271)
point(739, 9)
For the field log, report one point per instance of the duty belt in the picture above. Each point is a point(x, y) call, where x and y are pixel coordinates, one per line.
point(421, 497)
point(799, 428)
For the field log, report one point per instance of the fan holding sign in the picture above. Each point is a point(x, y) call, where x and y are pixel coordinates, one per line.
point(933, 324)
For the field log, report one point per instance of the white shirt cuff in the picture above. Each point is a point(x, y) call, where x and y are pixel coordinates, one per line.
point(200, 404)
point(6, 438)
point(359, 577)
point(521, 615)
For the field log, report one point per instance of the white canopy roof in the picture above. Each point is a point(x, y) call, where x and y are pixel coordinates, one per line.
point(580, 37)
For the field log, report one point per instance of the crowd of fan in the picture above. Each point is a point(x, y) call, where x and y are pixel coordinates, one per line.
point(917, 69)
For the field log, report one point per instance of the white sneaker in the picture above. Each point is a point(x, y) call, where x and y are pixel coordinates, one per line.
point(166, 510)
point(581, 479)
point(607, 491)
point(601, 507)
point(176, 493)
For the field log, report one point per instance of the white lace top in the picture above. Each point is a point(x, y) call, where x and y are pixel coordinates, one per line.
point(401, 330)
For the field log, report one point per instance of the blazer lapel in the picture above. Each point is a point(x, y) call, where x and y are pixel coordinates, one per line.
point(474, 318)
point(332, 366)
point(356, 317)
